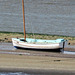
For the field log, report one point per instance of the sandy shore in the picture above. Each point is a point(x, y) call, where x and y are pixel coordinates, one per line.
point(41, 63)
point(37, 62)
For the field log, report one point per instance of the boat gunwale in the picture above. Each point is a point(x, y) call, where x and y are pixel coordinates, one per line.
point(38, 41)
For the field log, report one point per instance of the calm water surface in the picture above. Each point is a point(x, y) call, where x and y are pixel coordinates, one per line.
point(56, 17)
point(13, 73)
point(52, 73)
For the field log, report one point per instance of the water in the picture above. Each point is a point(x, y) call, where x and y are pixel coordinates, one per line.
point(56, 17)
point(13, 73)
point(69, 52)
point(49, 73)
point(6, 46)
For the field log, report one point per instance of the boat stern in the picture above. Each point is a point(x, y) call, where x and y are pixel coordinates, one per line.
point(62, 43)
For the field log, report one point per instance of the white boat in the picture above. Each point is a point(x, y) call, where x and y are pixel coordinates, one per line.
point(29, 43)
point(38, 43)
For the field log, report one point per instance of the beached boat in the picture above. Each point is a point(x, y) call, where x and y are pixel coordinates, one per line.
point(38, 43)
point(29, 43)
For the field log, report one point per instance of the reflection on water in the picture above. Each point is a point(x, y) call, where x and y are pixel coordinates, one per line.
point(6, 46)
point(13, 73)
point(69, 52)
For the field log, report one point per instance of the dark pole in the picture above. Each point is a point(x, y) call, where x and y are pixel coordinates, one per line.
point(63, 45)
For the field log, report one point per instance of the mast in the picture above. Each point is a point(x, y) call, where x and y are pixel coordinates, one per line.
point(23, 19)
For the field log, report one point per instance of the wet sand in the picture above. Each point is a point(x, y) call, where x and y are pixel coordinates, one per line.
point(70, 49)
point(39, 71)
point(37, 62)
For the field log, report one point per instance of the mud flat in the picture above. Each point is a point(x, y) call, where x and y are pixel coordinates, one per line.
point(25, 63)
point(35, 61)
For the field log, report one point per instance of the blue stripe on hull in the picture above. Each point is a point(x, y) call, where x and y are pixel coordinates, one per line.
point(17, 47)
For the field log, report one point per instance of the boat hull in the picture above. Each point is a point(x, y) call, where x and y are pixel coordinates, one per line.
point(17, 43)
point(51, 50)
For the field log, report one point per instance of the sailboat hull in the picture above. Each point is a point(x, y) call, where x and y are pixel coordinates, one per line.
point(38, 44)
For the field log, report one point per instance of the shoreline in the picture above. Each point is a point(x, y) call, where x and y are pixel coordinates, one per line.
point(38, 61)
point(36, 64)
point(38, 71)
point(7, 36)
